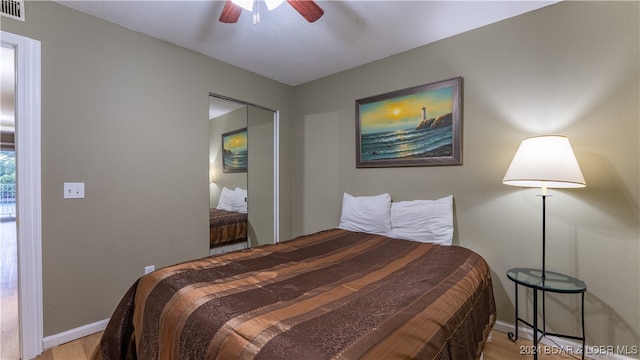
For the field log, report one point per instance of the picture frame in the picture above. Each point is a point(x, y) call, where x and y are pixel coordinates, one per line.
point(235, 151)
point(417, 126)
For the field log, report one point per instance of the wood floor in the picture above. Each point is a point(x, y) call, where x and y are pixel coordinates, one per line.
point(9, 335)
point(80, 349)
point(500, 348)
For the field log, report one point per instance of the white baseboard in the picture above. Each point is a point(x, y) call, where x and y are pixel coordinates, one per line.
point(74, 334)
point(593, 352)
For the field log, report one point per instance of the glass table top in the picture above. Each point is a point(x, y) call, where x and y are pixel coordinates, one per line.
point(553, 281)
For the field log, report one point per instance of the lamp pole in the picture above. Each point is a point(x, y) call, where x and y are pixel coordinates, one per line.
point(543, 193)
point(544, 198)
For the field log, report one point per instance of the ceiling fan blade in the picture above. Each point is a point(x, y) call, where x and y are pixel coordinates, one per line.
point(308, 9)
point(230, 13)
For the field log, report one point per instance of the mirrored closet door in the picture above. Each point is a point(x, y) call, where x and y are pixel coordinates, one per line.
point(243, 175)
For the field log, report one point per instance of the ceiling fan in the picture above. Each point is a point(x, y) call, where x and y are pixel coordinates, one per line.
point(307, 8)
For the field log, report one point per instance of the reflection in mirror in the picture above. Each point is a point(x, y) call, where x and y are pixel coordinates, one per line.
point(228, 219)
point(243, 175)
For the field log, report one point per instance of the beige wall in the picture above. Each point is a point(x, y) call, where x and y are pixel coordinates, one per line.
point(570, 68)
point(128, 115)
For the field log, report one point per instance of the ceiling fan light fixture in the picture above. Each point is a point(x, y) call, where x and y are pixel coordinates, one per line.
point(245, 4)
point(272, 4)
point(232, 9)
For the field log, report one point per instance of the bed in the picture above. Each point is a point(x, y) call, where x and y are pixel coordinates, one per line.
point(226, 227)
point(335, 294)
point(228, 220)
point(387, 283)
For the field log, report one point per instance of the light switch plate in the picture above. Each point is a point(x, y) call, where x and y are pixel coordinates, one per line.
point(74, 190)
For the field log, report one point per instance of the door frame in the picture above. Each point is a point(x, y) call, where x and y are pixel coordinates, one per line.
point(29, 211)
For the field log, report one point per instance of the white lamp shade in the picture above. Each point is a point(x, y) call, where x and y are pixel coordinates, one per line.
point(545, 161)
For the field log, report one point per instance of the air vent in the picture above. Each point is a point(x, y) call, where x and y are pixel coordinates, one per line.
point(13, 9)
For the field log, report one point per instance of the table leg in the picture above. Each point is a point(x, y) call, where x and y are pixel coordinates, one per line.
point(514, 337)
point(535, 324)
point(583, 336)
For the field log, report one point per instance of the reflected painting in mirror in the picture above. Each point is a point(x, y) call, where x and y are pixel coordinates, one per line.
point(234, 151)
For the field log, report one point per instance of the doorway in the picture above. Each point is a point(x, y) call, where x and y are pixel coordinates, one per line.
point(22, 201)
point(9, 307)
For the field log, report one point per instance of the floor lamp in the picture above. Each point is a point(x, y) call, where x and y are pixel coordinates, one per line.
point(546, 162)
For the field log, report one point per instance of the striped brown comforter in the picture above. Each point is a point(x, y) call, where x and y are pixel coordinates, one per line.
point(331, 295)
point(226, 227)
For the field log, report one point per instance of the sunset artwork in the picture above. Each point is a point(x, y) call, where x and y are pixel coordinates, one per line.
point(410, 125)
point(234, 151)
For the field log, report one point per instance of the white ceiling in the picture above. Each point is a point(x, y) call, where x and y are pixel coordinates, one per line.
point(286, 48)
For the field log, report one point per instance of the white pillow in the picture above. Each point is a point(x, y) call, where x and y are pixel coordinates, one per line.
point(227, 200)
point(369, 214)
point(240, 200)
point(423, 220)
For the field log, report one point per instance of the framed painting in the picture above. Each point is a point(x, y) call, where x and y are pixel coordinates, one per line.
point(418, 126)
point(234, 151)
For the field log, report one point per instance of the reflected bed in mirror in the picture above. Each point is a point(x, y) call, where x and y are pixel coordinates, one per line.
point(238, 130)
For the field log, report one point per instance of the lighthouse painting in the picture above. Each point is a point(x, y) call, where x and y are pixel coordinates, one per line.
point(418, 126)
point(235, 151)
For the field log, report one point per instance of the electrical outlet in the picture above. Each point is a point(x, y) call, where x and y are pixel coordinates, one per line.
point(148, 269)
point(74, 190)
